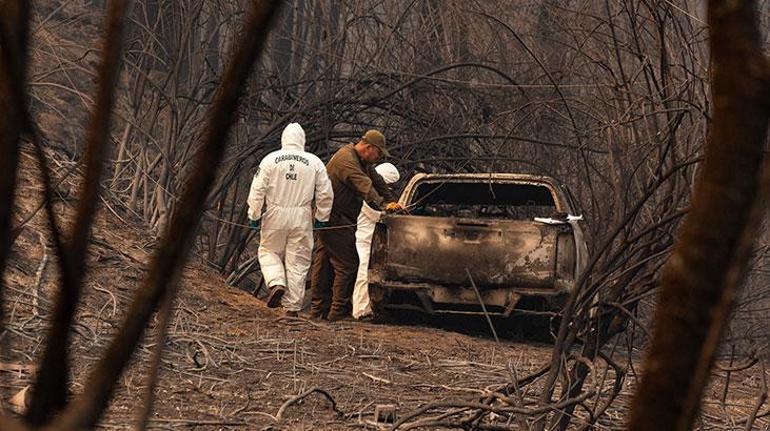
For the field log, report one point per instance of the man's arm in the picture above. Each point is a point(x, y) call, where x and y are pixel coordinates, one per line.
point(381, 186)
point(324, 195)
point(257, 192)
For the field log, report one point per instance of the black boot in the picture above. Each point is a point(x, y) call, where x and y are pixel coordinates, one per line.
point(274, 297)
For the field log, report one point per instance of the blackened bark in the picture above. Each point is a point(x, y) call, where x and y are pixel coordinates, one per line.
point(14, 32)
point(709, 260)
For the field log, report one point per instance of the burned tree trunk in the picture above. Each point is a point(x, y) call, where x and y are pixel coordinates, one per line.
point(14, 30)
point(710, 258)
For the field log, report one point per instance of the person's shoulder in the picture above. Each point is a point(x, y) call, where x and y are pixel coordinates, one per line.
point(271, 155)
point(269, 158)
point(314, 160)
point(347, 153)
point(338, 155)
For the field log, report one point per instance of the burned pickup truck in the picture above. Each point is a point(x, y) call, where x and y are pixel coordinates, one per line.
point(509, 240)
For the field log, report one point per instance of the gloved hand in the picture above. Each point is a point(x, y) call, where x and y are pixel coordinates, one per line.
point(393, 207)
point(320, 224)
point(254, 225)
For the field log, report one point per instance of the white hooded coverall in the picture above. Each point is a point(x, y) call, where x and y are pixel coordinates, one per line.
point(367, 220)
point(286, 183)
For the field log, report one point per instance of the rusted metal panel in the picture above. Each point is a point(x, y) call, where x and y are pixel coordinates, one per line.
point(505, 253)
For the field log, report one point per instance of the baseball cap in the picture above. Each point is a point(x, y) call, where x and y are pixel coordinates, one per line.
point(376, 138)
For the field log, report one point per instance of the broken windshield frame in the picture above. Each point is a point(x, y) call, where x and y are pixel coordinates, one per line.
point(483, 199)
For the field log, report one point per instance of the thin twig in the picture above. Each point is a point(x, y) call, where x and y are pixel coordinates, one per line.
point(483, 307)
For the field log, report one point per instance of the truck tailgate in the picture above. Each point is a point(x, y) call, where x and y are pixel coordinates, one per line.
point(498, 253)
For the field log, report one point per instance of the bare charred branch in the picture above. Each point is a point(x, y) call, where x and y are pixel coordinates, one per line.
point(50, 394)
point(86, 410)
point(14, 29)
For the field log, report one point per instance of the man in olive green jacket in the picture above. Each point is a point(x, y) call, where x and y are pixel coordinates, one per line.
point(335, 261)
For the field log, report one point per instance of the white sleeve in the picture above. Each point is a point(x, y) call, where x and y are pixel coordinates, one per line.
point(324, 195)
point(257, 192)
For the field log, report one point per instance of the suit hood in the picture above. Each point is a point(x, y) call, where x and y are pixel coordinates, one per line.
point(388, 172)
point(293, 138)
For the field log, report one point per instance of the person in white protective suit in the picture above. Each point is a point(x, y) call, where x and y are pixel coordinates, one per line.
point(367, 220)
point(286, 183)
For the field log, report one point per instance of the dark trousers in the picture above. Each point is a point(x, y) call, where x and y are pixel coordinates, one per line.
point(335, 265)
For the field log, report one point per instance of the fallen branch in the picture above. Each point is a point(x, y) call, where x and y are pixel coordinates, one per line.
point(377, 379)
point(303, 395)
point(490, 409)
point(731, 369)
point(39, 277)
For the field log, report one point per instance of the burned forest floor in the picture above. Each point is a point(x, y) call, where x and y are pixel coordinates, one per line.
point(231, 363)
